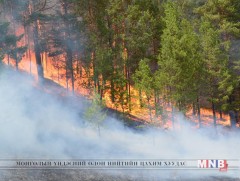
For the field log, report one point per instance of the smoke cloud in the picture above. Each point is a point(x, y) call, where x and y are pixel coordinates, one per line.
point(36, 124)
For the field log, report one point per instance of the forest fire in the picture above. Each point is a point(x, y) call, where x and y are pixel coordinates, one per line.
point(55, 70)
point(58, 75)
point(120, 85)
point(60, 59)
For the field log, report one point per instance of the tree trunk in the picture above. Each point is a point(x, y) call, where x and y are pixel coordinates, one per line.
point(46, 60)
point(29, 52)
point(70, 67)
point(236, 117)
point(193, 109)
point(98, 89)
point(112, 91)
point(140, 98)
point(156, 103)
point(80, 68)
point(110, 44)
point(37, 50)
point(199, 112)
point(173, 120)
point(66, 76)
point(8, 58)
point(214, 114)
point(232, 118)
point(28, 39)
point(15, 43)
point(69, 49)
point(16, 64)
point(129, 97)
point(220, 113)
point(25, 39)
point(149, 108)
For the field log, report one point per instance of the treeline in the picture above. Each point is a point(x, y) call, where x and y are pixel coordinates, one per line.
point(179, 54)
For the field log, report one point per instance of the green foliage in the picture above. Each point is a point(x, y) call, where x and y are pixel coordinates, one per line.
point(8, 44)
point(95, 115)
point(174, 50)
point(120, 93)
point(143, 78)
point(144, 81)
point(13, 50)
point(3, 32)
point(179, 60)
point(215, 42)
point(223, 14)
point(179, 52)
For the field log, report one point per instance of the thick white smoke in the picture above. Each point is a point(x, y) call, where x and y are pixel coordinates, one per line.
point(34, 124)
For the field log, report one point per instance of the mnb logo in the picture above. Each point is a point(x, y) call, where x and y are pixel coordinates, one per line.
point(221, 164)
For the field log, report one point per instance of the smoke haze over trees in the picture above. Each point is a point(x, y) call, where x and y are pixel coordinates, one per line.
point(168, 63)
point(159, 56)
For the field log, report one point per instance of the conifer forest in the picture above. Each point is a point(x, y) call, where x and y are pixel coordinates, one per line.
point(139, 70)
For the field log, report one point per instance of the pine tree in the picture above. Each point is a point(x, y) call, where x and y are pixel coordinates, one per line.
point(8, 44)
point(141, 36)
point(216, 64)
point(95, 114)
point(220, 19)
point(99, 51)
point(3, 32)
point(144, 82)
point(180, 65)
point(62, 41)
point(169, 63)
point(35, 18)
point(12, 40)
point(13, 50)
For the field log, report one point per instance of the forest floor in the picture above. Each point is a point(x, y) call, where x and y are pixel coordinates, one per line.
point(136, 118)
point(132, 121)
